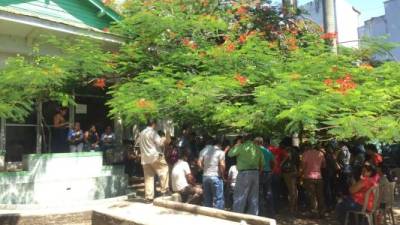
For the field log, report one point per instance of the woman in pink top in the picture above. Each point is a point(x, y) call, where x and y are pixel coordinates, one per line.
point(312, 164)
point(358, 193)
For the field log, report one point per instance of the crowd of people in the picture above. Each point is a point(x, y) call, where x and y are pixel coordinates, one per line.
point(252, 176)
point(78, 140)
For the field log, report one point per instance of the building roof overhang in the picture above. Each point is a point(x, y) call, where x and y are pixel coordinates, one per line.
point(105, 10)
point(25, 23)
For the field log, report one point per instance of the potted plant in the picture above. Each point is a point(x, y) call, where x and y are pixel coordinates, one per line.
point(2, 159)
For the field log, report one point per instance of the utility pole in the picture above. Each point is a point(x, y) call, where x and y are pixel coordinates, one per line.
point(330, 22)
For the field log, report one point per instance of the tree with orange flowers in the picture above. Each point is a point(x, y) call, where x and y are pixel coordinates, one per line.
point(239, 66)
point(222, 66)
point(39, 77)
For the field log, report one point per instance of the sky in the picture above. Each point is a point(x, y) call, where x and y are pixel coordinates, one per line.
point(368, 8)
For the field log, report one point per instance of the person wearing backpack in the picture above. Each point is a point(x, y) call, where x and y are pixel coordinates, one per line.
point(290, 171)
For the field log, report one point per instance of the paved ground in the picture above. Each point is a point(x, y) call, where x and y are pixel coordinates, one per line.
point(133, 209)
point(289, 220)
point(284, 218)
point(133, 212)
point(153, 215)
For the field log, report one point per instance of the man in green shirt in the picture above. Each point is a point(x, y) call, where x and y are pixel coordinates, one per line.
point(250, 162)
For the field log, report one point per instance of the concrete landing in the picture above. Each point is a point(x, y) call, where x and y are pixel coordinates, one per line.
point(107, 213)
point(62, 178)
point(148, 214)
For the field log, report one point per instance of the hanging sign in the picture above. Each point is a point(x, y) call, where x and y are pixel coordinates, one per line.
point(81, 109)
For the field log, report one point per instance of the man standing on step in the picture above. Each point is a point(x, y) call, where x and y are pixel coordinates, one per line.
point(153, 159)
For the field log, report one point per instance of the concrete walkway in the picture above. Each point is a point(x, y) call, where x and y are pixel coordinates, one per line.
point(107, 213)
point(149, 214)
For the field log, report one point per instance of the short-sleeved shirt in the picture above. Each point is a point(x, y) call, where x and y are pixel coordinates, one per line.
point(108, 138)
point(359, 197)
point(313, 161)
point(178, 175)
point(150, 145)
point(232, 174)
point(279, 155)
point(75, 137)
point(211, 156)
point(268, 157)
point(248, 156)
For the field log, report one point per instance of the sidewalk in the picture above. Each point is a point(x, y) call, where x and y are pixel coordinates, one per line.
point(121, 212)
point(285, 218)
point(149, 214)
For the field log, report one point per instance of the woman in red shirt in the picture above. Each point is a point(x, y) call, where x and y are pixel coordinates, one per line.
point(358, 193)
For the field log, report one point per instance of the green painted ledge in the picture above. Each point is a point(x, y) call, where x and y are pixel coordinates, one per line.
point(15, 174)
point(63, 155)
point(29, 173)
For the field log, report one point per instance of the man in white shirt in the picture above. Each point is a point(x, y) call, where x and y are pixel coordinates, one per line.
point(212, 160)
point(183, 182)
point(153, 160)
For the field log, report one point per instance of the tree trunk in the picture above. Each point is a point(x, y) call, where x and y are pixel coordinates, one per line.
point(330, 22)
point(289, 7)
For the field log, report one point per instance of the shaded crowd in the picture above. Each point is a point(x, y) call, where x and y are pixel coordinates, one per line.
point(252, 176)
point(72, 137)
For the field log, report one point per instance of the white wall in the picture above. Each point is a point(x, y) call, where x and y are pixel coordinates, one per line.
point(375, 26)
point(314, 11)
point(388, 24)
point(347, 20)
point(392, 14)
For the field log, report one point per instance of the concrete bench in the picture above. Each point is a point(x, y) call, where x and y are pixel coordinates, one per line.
point(174, 202)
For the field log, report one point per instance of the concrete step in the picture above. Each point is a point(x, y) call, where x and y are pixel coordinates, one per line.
point(136, 180)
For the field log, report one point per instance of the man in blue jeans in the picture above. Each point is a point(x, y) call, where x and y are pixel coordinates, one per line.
point(212, 160)
point(266, 197)
point(250, 162)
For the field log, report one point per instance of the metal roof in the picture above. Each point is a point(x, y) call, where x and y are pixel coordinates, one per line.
point(81, 13)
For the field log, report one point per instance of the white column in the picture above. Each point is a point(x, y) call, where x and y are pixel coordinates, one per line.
point(330, 21)
point(118, 130)
point(72, 111)
point(39, 135)
point(3, 134)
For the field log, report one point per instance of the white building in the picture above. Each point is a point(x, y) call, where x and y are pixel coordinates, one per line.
point(347, 20)
point(21, 24)
point(388, 24)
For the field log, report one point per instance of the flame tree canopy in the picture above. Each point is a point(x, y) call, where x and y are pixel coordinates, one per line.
point(236, 66)
point(222, 66)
